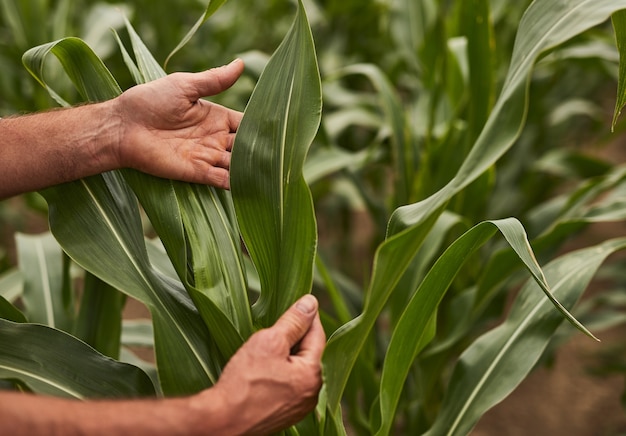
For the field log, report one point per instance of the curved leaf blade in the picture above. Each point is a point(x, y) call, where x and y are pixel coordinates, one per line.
point(499, 360)
point(211, 8)
point(412, 335)
point(86, 70)
point(545, 25)
point(272, 200)
point(37, 356)
point(101, 230)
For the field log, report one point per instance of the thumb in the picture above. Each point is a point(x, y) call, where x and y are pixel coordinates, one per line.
point(297, 320)
point(216, 80)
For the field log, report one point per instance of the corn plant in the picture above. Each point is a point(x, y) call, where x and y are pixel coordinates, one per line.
point(437, 270)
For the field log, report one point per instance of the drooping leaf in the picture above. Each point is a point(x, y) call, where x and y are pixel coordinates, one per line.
point(412, 335)
point(37, 356)
point(498, 361)
point(545, 25)
point(272, 201)
point(86, 70)
point(101, 230)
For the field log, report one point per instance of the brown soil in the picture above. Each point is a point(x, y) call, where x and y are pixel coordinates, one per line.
point(563, 400)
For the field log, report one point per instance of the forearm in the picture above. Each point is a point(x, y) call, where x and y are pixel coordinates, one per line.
point(45, 149)
point(27, 414)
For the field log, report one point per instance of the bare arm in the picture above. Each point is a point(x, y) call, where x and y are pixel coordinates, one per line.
point(163, 128)
point(264, 388)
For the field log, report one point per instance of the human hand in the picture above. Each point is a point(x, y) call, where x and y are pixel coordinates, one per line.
point(169, 131)
point(274, 379)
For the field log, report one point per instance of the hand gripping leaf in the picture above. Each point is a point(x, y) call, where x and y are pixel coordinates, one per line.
point(272, 201)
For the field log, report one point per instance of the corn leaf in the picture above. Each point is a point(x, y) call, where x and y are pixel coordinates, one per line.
point(198, 221)
point(477, 26)
point(619, 24)
point(105, 213)
point(9, 312)
point(211, 8)
point(403, 148)
point(46, 298)
point(37, 356)
point(545, 25)
point(11, 284)
point(411, 334)
point(86, 70)
point(271, 198)
point(99, 321)
point(499, 360)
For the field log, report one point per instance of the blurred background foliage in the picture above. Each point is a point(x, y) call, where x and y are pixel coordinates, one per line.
point(418, 47)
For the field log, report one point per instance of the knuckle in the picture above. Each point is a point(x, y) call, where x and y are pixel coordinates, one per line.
point(269, 339)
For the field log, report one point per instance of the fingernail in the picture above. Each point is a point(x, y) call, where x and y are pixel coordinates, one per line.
point(306, 304)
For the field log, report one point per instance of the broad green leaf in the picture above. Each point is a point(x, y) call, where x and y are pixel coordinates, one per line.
point(218, 269)
point(619, 24)
point(545, 25)
point(11, 284)
point(196, 224)
point(392, 258)
point(99, 321)
point(165, 298)
point(46, 298)
point(411, 334)
point(272, 201)
point(128, 60)
point(88, 73)
point(147, 65)
point(498, 361)
point(426, 255)
point(104, 214)
point(37, 356)
point(10, 312)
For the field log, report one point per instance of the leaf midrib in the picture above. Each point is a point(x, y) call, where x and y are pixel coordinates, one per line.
point(155, 294)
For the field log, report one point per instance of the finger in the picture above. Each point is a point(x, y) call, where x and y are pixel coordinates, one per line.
point(230, 141)
point(216, 80)
point(313, 343)
point(217, 177)
point(296, 322)
point(234, 119)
